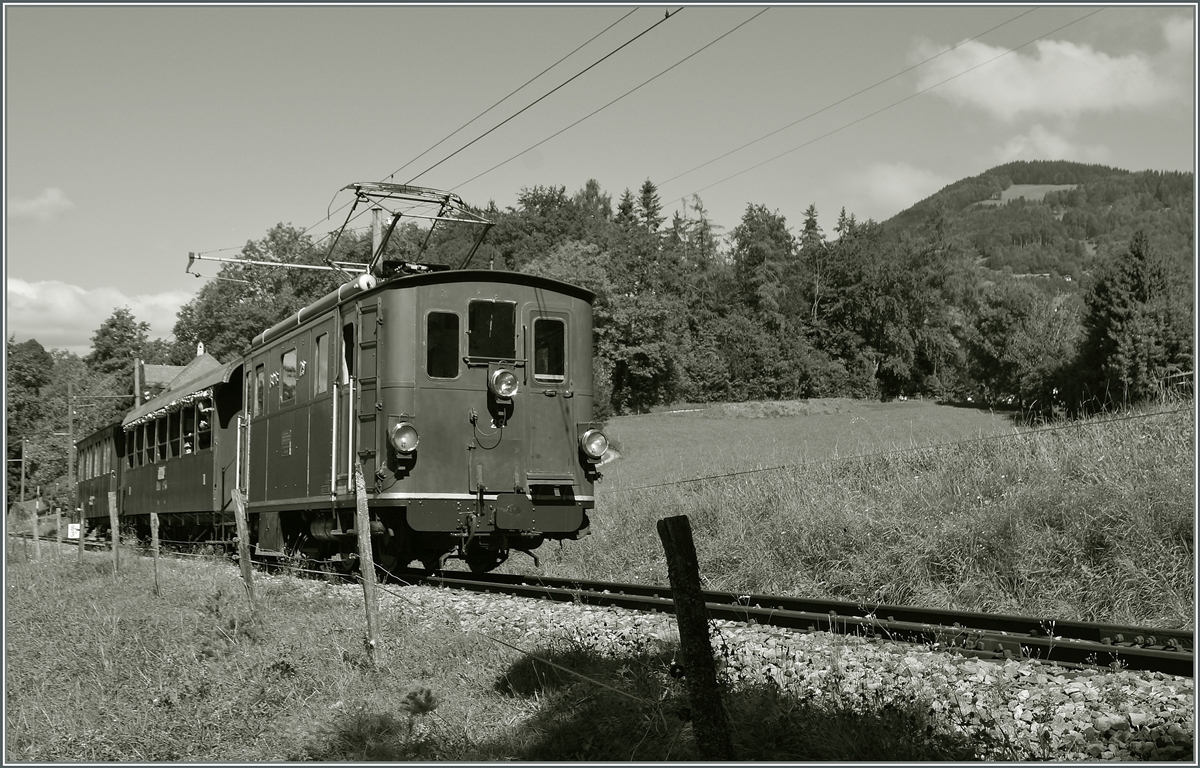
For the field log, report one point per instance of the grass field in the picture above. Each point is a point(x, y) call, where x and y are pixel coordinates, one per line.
point(909, 503)
point(695, 441)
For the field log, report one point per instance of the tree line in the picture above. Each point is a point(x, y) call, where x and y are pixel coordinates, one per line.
point(686, 312)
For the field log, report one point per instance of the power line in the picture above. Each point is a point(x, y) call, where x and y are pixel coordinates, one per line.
point(527, 82)
point(884, 109)
point(329, 214)
point(589, 67)
point(851, 96)
point(614, 101)
point(933, 447)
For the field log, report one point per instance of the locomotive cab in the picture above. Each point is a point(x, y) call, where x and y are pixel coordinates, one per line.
point(461, 396)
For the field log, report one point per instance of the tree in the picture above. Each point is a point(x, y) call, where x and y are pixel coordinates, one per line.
point(1137, 325)
point(117, 341)
point(763, 248)
point(648, 207)
point(813, 253)
point(626, 216)
point(1022, 342)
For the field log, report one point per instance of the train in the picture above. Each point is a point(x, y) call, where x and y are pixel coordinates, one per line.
point(457, 401)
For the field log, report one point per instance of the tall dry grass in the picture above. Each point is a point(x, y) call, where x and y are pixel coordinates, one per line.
point(1090, 520)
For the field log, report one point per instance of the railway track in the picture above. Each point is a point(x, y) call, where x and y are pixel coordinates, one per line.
point(1070, 644)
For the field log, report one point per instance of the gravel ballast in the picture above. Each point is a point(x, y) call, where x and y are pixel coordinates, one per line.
point(1037, 711)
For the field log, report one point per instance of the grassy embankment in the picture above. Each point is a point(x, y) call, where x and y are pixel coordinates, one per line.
point(1090, 520)
point(1094, 521)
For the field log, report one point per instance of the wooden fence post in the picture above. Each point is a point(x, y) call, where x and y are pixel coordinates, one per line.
point(37, 540)
point(366, 561)
point(57, 536)
point(709, 721)
point(115, 522)
point(243, 533)
point(154, 549)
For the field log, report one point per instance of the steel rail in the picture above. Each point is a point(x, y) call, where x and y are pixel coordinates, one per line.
point(1071, 644)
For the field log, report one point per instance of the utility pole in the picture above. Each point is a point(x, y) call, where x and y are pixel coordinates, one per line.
point(71, 462)
point(23, 487)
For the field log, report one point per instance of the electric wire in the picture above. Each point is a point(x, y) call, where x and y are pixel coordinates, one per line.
point(511, 93)
point(847, 98)
point(543, 97)
point(884, 109)
point(614, 101)
point(896, 451)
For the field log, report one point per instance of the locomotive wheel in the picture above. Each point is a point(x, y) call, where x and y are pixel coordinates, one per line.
point(388, 559)
point(482, 559)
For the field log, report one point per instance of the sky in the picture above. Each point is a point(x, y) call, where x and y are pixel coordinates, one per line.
point(134, 135)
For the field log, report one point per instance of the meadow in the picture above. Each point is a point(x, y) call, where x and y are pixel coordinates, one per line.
point(909, 503)
point(881, 503)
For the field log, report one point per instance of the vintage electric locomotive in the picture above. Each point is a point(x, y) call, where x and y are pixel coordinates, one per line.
point(462, 398)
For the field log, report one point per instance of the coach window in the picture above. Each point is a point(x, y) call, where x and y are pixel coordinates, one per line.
point(549, 350)
point(138, 437)
point(173, 435)
point(321, 351)
point(492, 329)
point(162, 439)
point(441, 347)
point(260, 389)
point(129, 449)
point(189, 430)
point(204, 411)
point(287, 365)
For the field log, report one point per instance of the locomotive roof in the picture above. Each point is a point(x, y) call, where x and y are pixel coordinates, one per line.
point(492, 276)
point(203, 372)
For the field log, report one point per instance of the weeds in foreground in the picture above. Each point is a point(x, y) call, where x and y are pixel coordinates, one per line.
point(194, 675)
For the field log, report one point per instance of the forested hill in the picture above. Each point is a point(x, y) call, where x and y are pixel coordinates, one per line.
point(1057, 218)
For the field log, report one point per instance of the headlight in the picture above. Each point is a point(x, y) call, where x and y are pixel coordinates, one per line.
point(403, 437)
point(594, 443)
point(503, 383)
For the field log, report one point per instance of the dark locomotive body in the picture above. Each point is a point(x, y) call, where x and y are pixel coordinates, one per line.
point(462, 397)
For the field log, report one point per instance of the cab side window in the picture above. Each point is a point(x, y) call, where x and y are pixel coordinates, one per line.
point(321, 350)
point(441, 347)
point(260, 389)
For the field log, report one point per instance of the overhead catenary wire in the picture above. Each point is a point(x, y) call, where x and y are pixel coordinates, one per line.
point(669, 15)
point(510, 94)
point(846, 98)
point(614, 101)
point(329, 213)
point(896, 451)
point(886, 108)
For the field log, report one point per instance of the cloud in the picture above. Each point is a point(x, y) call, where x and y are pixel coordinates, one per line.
point(51, 202)
point(882, 190)
point(64, 316)
point(1058, 79)
point(1180, 34)
point(1042, 144)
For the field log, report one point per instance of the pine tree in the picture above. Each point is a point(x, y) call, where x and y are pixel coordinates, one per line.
point(1137, 325)
point(649, 207)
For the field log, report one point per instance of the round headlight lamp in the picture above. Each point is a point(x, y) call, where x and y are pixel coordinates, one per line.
point(593, 443)
point(502, 382)
point(403, 437)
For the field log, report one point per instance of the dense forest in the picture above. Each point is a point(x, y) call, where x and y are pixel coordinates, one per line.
point(1055, 302)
